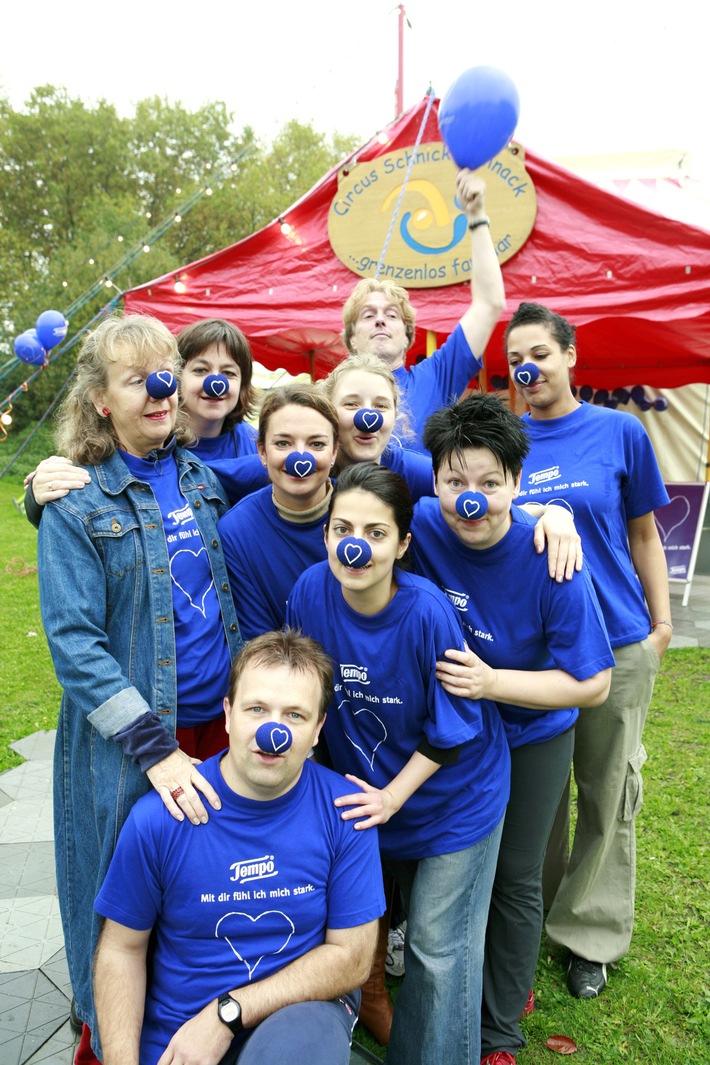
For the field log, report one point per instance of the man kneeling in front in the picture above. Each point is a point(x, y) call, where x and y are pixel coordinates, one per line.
point(264, 919)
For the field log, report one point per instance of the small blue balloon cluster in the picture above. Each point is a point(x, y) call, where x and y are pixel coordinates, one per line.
point(471, 505)
point(32, 345)
point(353, 552)
point(216, 385)
point(273, 738)
point(161, 384)
point(300, 464)
point(368, 420)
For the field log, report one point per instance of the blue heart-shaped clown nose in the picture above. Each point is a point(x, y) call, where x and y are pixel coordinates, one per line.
point(300, 464)
point(353, 552)
point(215, 385)
point(161, 384)
point(527, 374)
point(368, 420)
point(471, 505)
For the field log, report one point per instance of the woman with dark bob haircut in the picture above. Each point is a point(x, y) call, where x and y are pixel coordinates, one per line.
point(537, 646)
point(430, 770)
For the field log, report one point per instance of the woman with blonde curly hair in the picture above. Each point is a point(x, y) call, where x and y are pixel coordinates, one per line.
point(136, 607)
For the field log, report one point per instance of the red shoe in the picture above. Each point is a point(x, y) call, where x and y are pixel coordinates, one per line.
point(499, 1057)
point(529, 1005)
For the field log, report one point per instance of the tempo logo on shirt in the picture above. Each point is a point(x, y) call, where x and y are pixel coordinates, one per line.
point(544, 475)
point(459, 599)
point(179, 517)
point(352, 672)
point(253, 869)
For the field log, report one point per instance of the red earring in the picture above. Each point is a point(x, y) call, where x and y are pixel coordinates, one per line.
point(105, 411)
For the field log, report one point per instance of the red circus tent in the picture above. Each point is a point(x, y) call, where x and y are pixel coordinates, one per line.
point(636, 285)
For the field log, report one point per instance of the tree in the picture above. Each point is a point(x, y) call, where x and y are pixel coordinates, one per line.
point(81, 187)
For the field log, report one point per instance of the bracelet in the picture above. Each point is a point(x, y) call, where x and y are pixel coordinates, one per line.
point(559, 503)
point(657, 623)
point(480, 222)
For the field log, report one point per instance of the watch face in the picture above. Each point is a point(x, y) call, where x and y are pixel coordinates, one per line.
point(229, 1011)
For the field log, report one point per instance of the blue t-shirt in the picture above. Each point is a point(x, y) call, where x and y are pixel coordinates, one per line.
point(602, 462)
point(237, 442)
point(201, 653)
point(265, 555)
point(515, 616)
point(437, 381)
point(387, 700)
point(413, 467)
point(239, 477)
point(239, 898)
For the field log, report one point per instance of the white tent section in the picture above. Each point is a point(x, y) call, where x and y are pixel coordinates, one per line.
point(667, 182)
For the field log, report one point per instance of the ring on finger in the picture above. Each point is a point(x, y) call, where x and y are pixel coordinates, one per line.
point(175, 795)
point(50, 486)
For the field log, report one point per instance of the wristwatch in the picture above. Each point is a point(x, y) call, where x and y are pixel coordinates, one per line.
point(230, 1013)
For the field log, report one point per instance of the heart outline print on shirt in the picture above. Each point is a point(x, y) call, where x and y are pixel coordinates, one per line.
point(238, 927)
point(370, 759)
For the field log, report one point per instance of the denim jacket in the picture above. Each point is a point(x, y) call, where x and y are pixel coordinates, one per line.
point(106, 600)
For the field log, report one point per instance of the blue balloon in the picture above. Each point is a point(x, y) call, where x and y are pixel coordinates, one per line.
point(621, 395)
point(585, 393)
point(601, 396)
point(51, 328)
point(638, 395)
point(660, 404)
point(28, 348)
point(478, 115)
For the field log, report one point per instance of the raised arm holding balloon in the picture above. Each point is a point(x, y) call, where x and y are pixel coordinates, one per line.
point(379, 319)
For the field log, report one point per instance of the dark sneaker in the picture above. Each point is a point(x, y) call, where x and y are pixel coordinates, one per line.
point(585, 979)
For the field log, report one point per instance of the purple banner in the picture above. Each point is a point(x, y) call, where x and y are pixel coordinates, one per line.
point(679, 525)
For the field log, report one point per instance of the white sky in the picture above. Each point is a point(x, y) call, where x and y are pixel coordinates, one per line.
point(615, 75)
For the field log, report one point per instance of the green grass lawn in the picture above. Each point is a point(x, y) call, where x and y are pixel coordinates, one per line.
point(655, 1010)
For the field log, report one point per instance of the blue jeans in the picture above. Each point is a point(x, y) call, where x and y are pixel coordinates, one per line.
point(319, 1033)
point(437, 1015)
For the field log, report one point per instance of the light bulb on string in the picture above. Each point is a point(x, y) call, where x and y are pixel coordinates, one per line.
point(146, 248)
point(285, 227)
point(208, 192)
point(178, 218)
point(180, 286)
